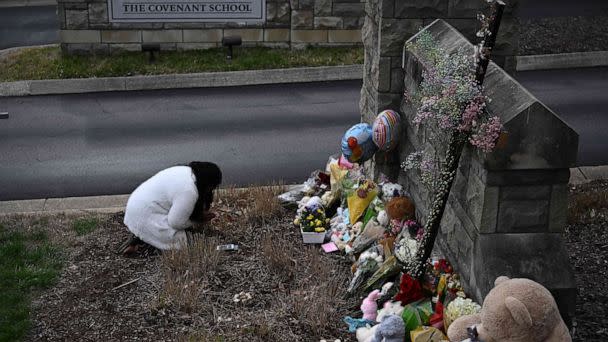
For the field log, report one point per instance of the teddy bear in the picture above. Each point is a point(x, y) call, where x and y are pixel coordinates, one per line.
point(389, 308)
point(400, 208)
point(515, 310)
point(391, 329)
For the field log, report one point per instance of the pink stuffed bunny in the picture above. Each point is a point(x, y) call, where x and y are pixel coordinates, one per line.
point(369, 305)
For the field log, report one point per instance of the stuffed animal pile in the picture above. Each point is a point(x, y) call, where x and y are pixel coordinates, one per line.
point(374, 223)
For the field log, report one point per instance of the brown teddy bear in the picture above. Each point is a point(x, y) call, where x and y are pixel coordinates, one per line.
point(515, 310)
point(400, 208)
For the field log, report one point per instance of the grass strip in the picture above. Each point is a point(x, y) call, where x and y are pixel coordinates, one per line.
point(50, 63)
point(27, 263)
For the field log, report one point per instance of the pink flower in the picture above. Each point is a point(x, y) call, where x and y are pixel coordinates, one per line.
point(486, 135)
point(471, 113)
point(422, 116)
point(445, 122)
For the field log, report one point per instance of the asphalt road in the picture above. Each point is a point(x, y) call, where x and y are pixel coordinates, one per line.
point(23, 26)
point(107, 143)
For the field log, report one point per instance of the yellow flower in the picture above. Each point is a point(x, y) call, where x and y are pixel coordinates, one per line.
point(319, 229)
point(318, 222)
point(319, 211)
point(309, 217)
point(296, 221)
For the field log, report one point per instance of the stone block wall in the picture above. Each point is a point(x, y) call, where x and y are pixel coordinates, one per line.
point(85, 28)
point(506, 209)
point(326, 22)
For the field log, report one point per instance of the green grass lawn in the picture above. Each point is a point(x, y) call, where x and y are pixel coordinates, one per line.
point(83, 226)
point(27, 263)
point(49, 63)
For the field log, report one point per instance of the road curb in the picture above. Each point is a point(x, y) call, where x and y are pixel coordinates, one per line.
point(117, 203)
point(177, 81)
point(93, 204)
point(562, 61)
point(8, 51)
point(26, 3)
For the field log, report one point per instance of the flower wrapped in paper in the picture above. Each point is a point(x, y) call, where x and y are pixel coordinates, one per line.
point(457, 308)
point(417, 314)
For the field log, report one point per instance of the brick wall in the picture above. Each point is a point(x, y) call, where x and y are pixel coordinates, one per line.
point(85, 28)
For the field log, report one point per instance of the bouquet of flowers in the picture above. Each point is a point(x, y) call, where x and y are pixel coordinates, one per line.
point(415, 229)
point(312, 220)
point(457, 308)
point(406, 248)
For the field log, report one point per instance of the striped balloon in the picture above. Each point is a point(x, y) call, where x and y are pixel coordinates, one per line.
point(385, 131)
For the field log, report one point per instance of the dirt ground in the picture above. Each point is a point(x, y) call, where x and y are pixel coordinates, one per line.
point(296, 290)
point(586, 239)
point(563, 34)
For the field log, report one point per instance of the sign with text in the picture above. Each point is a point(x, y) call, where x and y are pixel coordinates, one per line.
point(247, 11)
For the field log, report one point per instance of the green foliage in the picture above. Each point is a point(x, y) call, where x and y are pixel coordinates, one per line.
point(49, 63)
point(84, 226)
point(27, 263)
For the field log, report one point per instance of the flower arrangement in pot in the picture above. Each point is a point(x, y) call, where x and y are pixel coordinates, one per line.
point(312, 222)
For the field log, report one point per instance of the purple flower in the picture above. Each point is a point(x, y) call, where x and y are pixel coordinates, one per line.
point(486, 135)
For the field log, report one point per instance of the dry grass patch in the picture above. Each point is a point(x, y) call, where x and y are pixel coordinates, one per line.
point(587, 202)
point(265, 206)
point(279, 257)
point(187, 272)
point(317, 302)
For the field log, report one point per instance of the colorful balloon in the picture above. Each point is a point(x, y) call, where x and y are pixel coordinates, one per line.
point(357, 143)
point(385, 131)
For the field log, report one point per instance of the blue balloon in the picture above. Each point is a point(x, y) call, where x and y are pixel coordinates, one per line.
point(357, 143)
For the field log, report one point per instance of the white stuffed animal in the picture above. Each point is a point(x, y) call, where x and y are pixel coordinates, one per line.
point(365, 334)
point(383, 218)
point(370, 255)
point(389, 308)
point(390, 329)
point(390, 190)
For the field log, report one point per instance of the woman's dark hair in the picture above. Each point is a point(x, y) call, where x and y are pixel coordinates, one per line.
point(208, 176)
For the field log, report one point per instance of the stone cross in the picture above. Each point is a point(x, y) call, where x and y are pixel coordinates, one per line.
point(455, 146)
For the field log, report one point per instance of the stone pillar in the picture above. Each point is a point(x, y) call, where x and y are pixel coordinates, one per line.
point(389, 23)
point(507, 209)
point(383, 36)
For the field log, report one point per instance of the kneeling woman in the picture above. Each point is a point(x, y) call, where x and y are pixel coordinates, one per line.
point(161, 208)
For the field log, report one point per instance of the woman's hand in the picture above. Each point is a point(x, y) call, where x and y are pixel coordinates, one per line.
point(208, 216)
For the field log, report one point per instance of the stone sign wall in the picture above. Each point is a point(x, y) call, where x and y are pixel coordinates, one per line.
point(507, 209)
point(86, 27)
